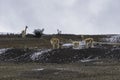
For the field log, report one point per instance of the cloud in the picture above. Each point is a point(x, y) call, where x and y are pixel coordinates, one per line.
point(70, 16)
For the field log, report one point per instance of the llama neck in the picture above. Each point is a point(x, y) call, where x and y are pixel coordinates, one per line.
point(25, 30)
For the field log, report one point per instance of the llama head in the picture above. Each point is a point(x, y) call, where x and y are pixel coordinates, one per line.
point(26, 27)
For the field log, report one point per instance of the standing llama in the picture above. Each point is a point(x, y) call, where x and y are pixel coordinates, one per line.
point(24, 32)
point(89, 42)
point(55, 43)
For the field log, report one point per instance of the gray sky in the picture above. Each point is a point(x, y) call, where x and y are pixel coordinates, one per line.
point(70, 16)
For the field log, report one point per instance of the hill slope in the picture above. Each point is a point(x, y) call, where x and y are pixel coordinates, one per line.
point(58, 55)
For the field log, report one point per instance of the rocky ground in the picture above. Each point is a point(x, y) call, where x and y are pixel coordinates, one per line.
point(67, 55)
point(60, 64)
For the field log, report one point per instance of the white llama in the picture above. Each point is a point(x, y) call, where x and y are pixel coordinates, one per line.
point(24, 32)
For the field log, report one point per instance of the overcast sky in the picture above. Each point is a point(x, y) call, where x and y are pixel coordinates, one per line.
point(70, 16)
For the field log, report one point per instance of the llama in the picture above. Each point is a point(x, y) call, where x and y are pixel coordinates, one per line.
point(24, 32)
point(76, 44)
point(55, 42)
point(89, 42)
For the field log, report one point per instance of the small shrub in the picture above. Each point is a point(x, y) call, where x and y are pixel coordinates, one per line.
point(38, 32)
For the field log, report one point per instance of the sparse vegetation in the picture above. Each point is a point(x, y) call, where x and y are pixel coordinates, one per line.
point(59, 32)
point(38, 32)
point(74, 71)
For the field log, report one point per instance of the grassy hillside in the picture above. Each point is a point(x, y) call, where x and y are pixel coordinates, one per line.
point(15, 40)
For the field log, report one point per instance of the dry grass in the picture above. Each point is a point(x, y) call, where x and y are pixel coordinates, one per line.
point(7, 41)
point(73, 71)
point(21, 43)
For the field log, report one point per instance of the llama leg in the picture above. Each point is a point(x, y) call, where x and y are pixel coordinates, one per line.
point(86, 45)
point(58, 45)
point(54, 46)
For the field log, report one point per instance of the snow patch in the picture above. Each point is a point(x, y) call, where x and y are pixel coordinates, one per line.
point(67, 45)
point(3, 50)
point(115, 38)
point(36, 54)
point(89, 60)
point(40, 69)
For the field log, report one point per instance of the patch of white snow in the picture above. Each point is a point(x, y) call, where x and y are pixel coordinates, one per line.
point(67, 45)
point(40, 69)
point(2, 50)
point(115, 38)
point(36, 55)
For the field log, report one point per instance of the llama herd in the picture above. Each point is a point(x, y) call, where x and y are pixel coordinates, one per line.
point(86, 43)
point(56, 43)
